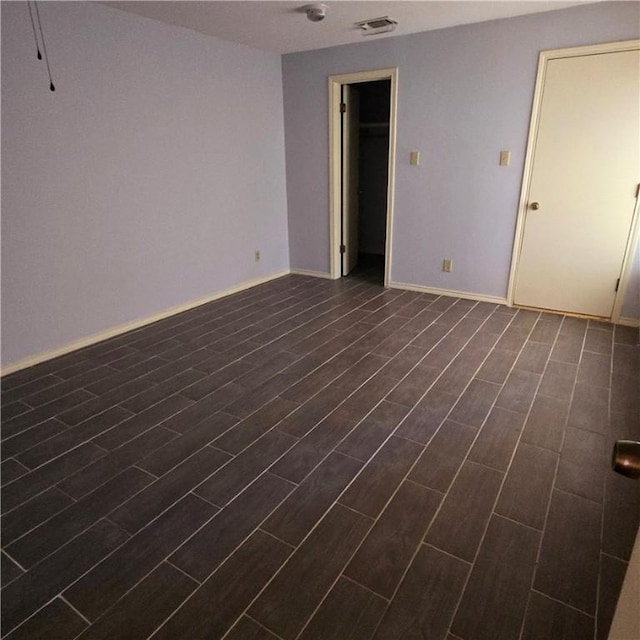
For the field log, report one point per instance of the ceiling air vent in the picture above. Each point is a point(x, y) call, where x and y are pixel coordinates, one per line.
point(377, 25)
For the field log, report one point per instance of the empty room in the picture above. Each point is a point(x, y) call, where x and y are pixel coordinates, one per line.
point(320, 321)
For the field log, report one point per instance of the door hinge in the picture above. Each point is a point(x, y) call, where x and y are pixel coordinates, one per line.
point(617, 283)
point(343, 249)
point(343, 107)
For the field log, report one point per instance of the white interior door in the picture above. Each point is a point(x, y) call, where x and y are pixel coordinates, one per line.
point(583, 186)
point(350, 177)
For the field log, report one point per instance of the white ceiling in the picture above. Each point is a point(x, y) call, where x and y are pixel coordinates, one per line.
point(282, 26)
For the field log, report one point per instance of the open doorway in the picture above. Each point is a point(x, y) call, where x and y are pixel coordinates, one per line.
point(362, 153)
point(365, 174)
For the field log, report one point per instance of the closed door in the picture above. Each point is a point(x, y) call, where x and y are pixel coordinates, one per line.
point(583, 185)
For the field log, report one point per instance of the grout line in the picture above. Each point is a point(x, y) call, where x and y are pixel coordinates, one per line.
point(275, 537)
point(184, 573)
point(72, 608)
point(359, 584)
point(542, 593)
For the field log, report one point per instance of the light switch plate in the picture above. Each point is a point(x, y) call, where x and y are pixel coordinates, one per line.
point(414, 158)
point(505, 158)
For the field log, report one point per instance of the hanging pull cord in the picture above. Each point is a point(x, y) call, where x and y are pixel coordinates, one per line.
point(44, 46)
point(33, 26)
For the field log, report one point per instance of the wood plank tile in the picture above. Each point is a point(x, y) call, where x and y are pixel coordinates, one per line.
point(31, 513)
point(371, 432)
point(25, 595)
point(244, 468)
point(161, 494)
point(527, 488)
point(546, 329)
point(247, 431)
point(384, 556)
point(400, 365)
point(612, 574)
point(497, 366)
point(358, 405)
point(297, 463)
point(443, 456)
point(584, 462)
point(30, 484)
point(568, 564)
point(141, 422)
point(349, 612)
point(307, 504)
point(376, 483)
point(513, 338)
point(56, 620)
point(621, 516)
point(518, 391)
point(204, 552)
point(223, 597)
point(178, 450)
point(20, 392)
point(9, 570)
point(497, 439)
point(11, 470)
point(425, 418)
point(427, 597)
point(495, 598)
point(107, 582)
point(475, 403)
point(248, 629)
point(55, 408)
point(595, 369)
point(140, 610)
point(93, 406)
point(72, 437)
point(285, 608)
point(202, 410)
point(567, 348)
point(546, 422)
point(64, 526)
point(625, 359)
point(92, 476)
point(598, 341)
point(548, 618)
point(533, 357)
point(162, 390)
point(461, 522)
point(589, 408)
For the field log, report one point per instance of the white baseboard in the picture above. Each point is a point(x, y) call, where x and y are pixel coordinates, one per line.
point(313, 274)
point(628, 322)
point(448, 292)
point(135, 324)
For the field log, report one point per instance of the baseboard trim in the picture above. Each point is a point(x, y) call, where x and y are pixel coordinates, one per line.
point(628, 322)
point(135, 324)
point(448, 292)
point(313, 274)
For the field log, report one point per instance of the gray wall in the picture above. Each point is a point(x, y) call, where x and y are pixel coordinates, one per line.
point(465, 93)
point(144, 182)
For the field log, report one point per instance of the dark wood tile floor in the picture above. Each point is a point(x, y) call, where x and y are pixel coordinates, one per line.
point(323, 460)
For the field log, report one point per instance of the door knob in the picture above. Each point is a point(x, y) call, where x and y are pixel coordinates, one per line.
point(534, 205)
point(626, 458)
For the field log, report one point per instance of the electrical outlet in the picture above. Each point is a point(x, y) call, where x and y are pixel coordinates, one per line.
point(447, 265)
point(256, 255)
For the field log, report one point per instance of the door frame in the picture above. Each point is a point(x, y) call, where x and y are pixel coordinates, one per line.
point(335, 163)
point(632, 241)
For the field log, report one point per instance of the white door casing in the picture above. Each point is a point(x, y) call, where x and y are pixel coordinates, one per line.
point(583, 168)
point(350, 177)
point(335, 163)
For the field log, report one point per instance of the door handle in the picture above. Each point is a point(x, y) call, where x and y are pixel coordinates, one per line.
point(534, 205)
point(626, 458)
